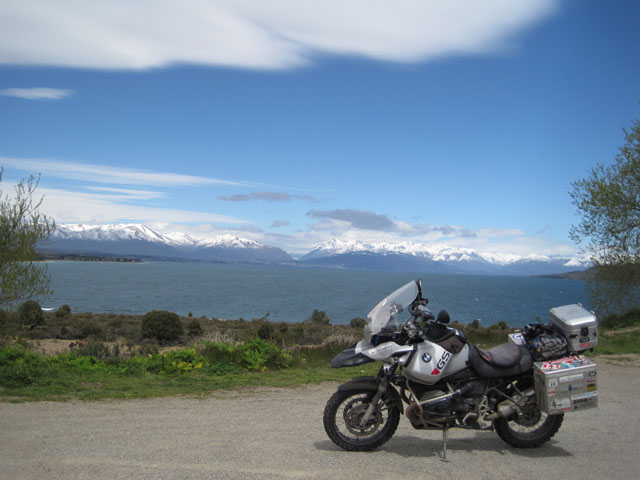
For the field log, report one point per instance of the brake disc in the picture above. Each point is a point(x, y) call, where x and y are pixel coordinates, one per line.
point(353, 413)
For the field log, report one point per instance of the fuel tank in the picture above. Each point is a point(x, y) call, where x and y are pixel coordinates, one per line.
point(431, 362)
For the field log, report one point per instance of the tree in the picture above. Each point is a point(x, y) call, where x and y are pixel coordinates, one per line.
point(22, 227)
point(609, 202)
point(30, 314)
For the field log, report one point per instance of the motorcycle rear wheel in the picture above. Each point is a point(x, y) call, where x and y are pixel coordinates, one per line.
point(342, 420)
point(529, 432)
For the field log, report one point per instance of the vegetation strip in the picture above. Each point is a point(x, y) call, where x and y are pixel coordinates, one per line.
point(97, 368)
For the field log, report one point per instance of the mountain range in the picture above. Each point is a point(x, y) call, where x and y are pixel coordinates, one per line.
point(140, 241)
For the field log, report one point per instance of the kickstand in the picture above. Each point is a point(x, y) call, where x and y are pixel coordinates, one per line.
point(445, 437)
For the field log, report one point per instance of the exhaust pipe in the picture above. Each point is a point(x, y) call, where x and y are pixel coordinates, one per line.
point(508, 407)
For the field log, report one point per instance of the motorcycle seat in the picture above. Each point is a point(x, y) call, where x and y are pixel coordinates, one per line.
point(502, 361)
point(503, 356)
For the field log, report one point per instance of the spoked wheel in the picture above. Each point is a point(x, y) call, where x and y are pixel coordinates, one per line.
point(343, 420)
point(531, 428)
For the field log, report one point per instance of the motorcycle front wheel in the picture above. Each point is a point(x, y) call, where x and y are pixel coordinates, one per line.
point(343, 420)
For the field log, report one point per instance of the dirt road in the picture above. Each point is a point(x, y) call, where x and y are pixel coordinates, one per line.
point(278, 433)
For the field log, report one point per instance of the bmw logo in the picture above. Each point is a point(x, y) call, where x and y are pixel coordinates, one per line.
point(426, 358)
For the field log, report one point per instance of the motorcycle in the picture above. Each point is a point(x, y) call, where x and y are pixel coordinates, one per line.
point(444, 380)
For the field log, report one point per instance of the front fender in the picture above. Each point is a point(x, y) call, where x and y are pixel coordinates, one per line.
point(349, 358)
point(371, 383)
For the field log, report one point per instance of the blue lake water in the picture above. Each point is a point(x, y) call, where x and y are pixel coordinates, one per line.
point(290, 294)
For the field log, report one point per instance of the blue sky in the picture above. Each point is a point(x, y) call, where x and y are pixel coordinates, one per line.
point(455, 122)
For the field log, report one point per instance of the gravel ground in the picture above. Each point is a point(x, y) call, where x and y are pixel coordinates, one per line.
point(277, 433)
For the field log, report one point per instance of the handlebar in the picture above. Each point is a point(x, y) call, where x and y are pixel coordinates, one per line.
point(419, 309)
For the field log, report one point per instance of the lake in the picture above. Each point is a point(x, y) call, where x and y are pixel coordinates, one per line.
point(290, 294)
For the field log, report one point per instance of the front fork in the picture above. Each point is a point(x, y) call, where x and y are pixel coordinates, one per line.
point(384, 376)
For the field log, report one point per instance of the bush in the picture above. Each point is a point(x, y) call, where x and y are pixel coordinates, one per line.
point(624, 320)
point(256, 355)
point(30, 314)
point(19, 367)
point(63, 312)
point(99, 350)
point(265, 332)
point(475, 325)
point(91, 329)
point(161, 325)
point(7, 322)
point(358, 322)
point(318, 317)
point(194, 329)
point(260, 355)
point(501, 325)
point(283, 327)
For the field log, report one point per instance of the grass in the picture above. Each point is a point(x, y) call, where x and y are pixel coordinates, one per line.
point(100, 386)
point(619, 334)
point(622, 342)
point(29, 376)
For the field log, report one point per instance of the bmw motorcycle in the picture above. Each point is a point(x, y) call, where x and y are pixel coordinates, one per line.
point(443, 379)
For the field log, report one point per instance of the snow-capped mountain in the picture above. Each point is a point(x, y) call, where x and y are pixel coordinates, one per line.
point(409, 256)
point(140, 240)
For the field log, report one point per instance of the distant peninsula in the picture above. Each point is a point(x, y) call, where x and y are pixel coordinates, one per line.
point(48, 256)
point(577, 275)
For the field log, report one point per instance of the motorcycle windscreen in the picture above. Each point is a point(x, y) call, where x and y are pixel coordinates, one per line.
point(392, 310)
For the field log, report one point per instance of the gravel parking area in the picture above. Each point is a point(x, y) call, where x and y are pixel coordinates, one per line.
point(277, 433)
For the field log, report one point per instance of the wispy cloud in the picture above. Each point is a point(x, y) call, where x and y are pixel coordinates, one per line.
point(269, 34)
point(40, 93)
point(127, 193)
point(357, 219)
point(274, 197)
point(95, 208)
point(279, 223)
point(114, 175)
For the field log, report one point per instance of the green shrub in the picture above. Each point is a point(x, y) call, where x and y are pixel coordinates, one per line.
point(161, 325)
point(501, 325)
point(91, 329)
point(7, 323)
point(221, 353)
point(194, 329)
point(30, 314)
point(358, 322)
point(265, 331)
point(63, 312)
point(260, 355)
point(283, 327)
point(319, 317)
point(115, 323)
point(256, 355)
point(99, 350)
point(147, 349)
point(623, 320)
point(19, 367)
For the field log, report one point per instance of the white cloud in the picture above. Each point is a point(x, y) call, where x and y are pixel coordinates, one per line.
point(79, 207)
point(40, 93)
point(128, 193)
point(114, 175)
point(265, 34)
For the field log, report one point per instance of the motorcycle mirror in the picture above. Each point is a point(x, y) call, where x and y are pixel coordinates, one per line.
point(424, 300)
point(443, 317)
